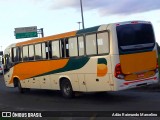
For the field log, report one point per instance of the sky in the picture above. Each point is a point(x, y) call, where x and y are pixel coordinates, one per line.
point(59, 16)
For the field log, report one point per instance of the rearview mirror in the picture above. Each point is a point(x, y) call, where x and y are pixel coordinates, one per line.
point(1, 52)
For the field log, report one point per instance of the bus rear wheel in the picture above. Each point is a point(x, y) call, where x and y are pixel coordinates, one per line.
point(66, 89)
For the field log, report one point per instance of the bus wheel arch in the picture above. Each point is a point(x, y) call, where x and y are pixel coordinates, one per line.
point(17, 84)
point(66, 87)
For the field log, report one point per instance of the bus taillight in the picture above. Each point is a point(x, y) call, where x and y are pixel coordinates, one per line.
point(157, 65)
point(118, 72)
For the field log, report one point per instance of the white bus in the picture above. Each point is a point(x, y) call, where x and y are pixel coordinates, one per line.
point(109, 57)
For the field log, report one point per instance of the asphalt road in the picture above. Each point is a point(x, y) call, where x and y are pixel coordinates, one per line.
point(146, 99)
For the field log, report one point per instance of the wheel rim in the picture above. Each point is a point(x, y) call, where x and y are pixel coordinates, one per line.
point(67, 89)
point(20, 89)
point(19, 86)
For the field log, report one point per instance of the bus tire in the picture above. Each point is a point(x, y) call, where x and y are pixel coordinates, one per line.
point(20, 89)
point(66, 89)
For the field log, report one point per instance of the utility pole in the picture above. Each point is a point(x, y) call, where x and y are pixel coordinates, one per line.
point(82, 14)
point(40, 31)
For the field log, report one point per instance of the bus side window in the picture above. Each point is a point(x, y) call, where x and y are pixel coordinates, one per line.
point(15, 54)
point(44, 51)
point(7, 63)
point(38, 51)
point(91, 44)
point(103, 42)
point(25, 53)
point(73, 51)
point(81, 45)
point(55, 49)
point(31, 52)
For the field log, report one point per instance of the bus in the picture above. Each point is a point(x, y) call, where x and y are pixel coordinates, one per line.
point(108, 57)
point(1, 66)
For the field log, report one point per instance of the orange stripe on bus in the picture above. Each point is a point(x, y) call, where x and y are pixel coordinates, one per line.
point(49, 38)
point(29, 69)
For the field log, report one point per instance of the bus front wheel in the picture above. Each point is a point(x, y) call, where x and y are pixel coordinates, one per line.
point(20, 89)
point(66, 89)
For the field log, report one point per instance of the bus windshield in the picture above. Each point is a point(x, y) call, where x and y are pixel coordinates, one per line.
point(135, 37)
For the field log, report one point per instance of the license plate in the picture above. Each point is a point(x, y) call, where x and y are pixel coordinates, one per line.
point(140, 75)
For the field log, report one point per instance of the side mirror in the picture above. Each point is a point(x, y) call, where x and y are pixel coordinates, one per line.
point(1, 52)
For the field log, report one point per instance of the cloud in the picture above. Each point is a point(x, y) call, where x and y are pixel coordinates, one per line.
point(104, 7)
point(109, 7)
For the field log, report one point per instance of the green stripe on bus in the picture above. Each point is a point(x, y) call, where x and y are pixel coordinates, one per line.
point(88, 30)
point(102, 61)
point(73, 64)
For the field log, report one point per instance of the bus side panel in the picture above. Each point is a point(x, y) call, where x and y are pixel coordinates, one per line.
point(31, 83)
point(97, 76)
point(82, 86)
point(116, 82)
point(45, 82)
point(24, 83)
point(95, 84)
point(55, 81)
point(93, 76)
point(75, 82)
